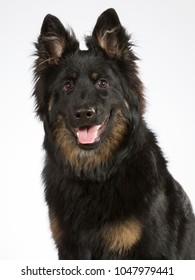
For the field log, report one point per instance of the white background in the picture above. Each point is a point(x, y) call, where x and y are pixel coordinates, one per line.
point(164, 34)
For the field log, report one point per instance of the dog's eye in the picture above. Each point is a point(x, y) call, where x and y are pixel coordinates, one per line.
point(68, 86)
point(102, 83)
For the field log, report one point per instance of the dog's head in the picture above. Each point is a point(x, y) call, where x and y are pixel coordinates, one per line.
point(89, 100)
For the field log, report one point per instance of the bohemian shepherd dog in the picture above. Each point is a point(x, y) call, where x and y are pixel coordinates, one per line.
point(109, 193)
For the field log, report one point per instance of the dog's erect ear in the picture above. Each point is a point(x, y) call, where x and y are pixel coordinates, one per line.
point(109, 35)
point(53, 41)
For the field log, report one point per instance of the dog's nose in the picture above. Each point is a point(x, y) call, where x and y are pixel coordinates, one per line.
point(84, 113)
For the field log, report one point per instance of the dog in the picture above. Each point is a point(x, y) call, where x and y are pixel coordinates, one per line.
point(107, 186)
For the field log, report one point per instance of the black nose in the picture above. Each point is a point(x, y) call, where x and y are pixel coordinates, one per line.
point(84, 113)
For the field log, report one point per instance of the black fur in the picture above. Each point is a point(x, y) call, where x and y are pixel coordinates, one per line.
point(109, 193)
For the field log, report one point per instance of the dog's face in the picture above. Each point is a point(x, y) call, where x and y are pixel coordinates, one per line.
point(87, 95)
point(89, 100)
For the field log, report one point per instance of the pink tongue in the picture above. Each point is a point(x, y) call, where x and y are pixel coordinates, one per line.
point(87, 135)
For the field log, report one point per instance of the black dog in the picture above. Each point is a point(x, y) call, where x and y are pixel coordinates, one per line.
point(109, 192)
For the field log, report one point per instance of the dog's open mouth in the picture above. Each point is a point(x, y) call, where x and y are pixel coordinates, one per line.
point(87, 135)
